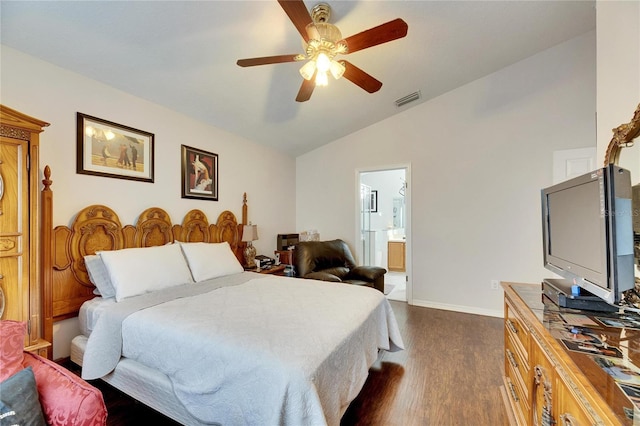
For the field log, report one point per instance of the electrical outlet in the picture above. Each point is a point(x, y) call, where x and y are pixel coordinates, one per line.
point(495, 285)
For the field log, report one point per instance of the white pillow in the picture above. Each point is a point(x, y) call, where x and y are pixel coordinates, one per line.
point(136, 271)
point(210, 260)
point(99, 276)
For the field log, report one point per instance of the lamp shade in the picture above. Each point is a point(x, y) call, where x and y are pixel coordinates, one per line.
point(308, 70)
point(249, 233)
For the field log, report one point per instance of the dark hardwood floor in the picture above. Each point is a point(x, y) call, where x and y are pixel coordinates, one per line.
point(449, 374)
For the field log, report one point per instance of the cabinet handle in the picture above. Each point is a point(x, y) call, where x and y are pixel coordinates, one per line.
point(567, 419)
point(1, 188)
point(514, 395)
point(512, 360)
point(539, 378)
point(512, 327)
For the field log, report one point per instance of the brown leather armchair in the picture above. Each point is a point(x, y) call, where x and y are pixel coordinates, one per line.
point(333, 261)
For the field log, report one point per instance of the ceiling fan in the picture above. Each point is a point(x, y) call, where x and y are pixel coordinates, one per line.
point(323, 42)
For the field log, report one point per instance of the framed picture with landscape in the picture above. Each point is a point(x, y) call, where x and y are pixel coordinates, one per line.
point(113, 150)
point(199, 174)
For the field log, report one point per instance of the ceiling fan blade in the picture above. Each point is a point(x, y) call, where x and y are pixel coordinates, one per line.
point(306, 89)
point(298, 14)
point(252, 62)
point(360, 78)
point(384, 33)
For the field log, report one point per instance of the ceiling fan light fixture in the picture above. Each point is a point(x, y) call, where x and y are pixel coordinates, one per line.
point(322, 79)
point(336, 69)
point(325, 43)
point(323, 62)
point(332, 47)
point(322, 43)
point(323, 65)
point(308, 69)
point(324, 31)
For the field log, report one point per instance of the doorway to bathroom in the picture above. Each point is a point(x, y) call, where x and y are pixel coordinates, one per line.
point(383, 226)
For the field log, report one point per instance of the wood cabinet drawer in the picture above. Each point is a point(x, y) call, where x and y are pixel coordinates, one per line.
point(515, 364)
point(514, 328)
point(515, 400)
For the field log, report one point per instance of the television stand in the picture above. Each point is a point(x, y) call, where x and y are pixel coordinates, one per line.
point(539, 370)
point(559, 291)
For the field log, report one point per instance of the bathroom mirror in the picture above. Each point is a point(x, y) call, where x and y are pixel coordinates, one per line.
point(624, 150)
point(398, 212)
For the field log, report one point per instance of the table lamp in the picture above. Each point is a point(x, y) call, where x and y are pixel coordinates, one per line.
point(249, 234)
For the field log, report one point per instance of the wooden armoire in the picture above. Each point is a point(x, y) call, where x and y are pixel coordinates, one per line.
point(20, 251)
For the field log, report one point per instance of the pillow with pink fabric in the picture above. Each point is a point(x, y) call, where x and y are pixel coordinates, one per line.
point(65, 398)
point(11, 346)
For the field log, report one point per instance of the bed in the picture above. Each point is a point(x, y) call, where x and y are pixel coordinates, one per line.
point(209, 344)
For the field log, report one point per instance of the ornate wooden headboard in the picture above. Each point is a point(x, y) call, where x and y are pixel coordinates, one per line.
point(65, 281)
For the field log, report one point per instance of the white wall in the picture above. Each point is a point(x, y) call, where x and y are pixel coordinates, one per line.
point(55, 95)
point(479, 156)
point(618, 66)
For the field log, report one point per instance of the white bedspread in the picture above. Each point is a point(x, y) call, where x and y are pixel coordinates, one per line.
point(270, 351)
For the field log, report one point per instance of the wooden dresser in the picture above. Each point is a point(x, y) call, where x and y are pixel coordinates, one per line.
point(20, 284)
point(544, 382)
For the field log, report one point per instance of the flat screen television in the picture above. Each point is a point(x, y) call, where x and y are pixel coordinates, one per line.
point(587, 232)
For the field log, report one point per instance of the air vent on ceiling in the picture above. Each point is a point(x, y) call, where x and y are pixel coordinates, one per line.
point(407, 99)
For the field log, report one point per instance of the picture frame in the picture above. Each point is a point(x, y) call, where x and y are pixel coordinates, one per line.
point(108, 149)
point(374, 201)
point(199, 174)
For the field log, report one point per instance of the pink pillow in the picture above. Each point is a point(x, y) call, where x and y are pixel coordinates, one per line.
point(66, 399)
point(11, 346)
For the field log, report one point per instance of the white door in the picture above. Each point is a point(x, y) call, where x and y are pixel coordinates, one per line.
point(569, 163)
point(389, 218)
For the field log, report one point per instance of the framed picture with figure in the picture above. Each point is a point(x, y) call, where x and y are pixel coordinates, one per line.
point(199, 174)
point(112, 150)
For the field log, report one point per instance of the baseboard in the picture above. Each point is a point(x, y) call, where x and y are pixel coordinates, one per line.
point(459, 308)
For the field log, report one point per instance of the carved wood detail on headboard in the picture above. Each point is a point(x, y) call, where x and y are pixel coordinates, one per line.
point(66, 283)
point(95, 228)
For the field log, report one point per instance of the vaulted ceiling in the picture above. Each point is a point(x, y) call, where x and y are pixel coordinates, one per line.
point(182, 54)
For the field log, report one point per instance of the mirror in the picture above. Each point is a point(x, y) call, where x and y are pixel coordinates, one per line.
point(398, 212)
point(624, 152)
point(623, 137)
